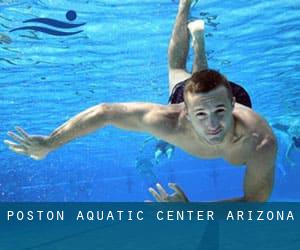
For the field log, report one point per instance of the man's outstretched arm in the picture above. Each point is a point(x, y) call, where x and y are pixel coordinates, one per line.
point(146, 117)
point(259, 177)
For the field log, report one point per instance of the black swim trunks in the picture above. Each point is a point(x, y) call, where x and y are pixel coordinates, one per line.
point(240, 94)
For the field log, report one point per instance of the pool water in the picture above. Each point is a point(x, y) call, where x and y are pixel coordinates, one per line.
point(120, 56)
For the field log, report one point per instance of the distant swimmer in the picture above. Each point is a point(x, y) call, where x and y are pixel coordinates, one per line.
point(208, 117)
point(161, 149)
point(4, 39)
point(146, 161)
point(145, 169)
point(283, 142)
point(293, 131)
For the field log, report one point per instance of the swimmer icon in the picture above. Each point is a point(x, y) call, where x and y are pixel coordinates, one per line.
point(71, 15)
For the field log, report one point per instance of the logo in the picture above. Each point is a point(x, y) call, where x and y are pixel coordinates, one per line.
point(70, 16)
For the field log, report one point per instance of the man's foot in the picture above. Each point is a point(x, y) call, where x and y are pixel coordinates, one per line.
point(170, 152)
point(185, 3)
point(196, 29)
point(192, 2)
point(157, 156)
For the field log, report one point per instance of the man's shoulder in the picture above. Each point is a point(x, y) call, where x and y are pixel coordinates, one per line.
point(170, 111)
point(252, 124)
point(168, 115)
point(255, 133)
point(166, 122)
point(249, 119)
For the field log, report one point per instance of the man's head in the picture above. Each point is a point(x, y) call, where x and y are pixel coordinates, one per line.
point(209, 103)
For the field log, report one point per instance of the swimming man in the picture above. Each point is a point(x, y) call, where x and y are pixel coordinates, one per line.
point(210, 118)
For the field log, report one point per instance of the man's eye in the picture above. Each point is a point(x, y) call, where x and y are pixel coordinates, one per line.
point(201, 114)
point(220, 111)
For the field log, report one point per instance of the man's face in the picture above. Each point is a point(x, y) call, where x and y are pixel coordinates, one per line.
point(210, 114)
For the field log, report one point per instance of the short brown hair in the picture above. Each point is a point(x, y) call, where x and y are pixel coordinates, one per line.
point(205, 81)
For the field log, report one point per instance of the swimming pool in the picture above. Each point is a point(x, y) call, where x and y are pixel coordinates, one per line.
point(121, 55)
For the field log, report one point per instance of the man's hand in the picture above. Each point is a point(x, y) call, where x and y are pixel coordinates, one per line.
point(163, 196)
point(33, 146)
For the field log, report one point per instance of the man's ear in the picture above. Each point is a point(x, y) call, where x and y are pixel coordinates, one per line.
point(188, 116)
point(186, 113)
point(233, 101)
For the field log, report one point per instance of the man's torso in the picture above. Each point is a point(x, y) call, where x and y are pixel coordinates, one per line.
point(249, 130)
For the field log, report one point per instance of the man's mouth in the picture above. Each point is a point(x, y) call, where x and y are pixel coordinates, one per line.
point(215, 131)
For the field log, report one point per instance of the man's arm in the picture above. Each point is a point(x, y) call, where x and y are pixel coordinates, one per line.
point(259, 177)
point(258, 180)
point(145, 117)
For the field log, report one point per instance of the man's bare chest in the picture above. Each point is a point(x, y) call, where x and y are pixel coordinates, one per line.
point(235, 153)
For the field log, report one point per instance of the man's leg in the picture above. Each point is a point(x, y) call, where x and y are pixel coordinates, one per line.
point(179, 46)
point(196, 29)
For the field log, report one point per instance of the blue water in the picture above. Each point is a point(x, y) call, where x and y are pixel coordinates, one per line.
point(120, 56)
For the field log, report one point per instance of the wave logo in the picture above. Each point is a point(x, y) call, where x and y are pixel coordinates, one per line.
point(70, 16)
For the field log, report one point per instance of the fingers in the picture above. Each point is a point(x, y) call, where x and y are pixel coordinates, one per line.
point(177, 189)
point(20, 149)
point(23, 133)
point(161, 195)
point(16, 137)
point(22, 137)
point(155, 194)
point(162, 192)
point(11, 144)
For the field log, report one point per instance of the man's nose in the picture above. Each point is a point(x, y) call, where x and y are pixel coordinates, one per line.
point(213, 123)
